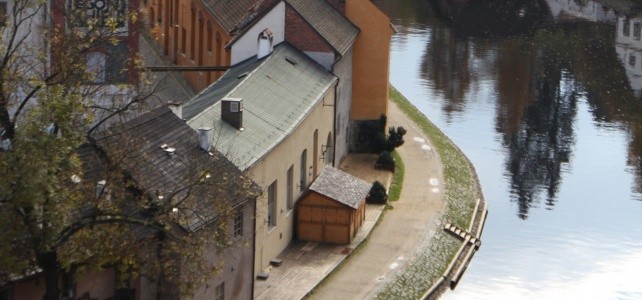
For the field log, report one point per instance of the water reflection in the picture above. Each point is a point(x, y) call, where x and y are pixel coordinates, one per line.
point(538, 76)
point(552, 120)
point(499, 17)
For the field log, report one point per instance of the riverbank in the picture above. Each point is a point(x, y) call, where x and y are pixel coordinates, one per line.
point(462, 187)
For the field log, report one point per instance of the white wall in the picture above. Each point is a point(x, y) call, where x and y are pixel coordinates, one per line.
point(274, 166)
point(246, 45)
point(629, 51)
point(591, 11)
point(326, 59)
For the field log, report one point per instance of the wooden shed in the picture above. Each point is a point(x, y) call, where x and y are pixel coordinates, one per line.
point(333, 209)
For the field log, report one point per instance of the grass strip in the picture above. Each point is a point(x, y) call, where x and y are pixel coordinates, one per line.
point(462, 190)
point(397, 179)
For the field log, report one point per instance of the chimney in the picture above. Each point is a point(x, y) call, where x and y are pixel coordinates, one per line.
point(265, 43)
point(204, 138)
point(232, 112)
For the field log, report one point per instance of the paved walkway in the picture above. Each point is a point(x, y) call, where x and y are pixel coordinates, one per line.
point(403, 230)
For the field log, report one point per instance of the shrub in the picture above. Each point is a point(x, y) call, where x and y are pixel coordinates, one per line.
point(385, 162)
point(377, 194)
point(395, 138)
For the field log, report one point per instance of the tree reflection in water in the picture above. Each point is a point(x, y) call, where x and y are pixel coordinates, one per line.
point(540, 72)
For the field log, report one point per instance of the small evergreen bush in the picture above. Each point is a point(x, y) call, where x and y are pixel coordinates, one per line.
point(385, 162)
point(377, 194)
point(395, 138)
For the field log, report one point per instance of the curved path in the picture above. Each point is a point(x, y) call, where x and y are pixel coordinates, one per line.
point(403, 230)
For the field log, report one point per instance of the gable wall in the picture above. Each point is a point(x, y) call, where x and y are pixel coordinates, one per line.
point(302, 35)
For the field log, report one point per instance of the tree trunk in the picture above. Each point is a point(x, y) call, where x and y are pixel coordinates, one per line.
point(49, 263)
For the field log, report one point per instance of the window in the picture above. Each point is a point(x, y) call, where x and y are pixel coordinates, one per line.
point(192, 29)
point(304, 171)
point(183, 40)
point(632, 60)
point(219, 293)
point(209, 37)
point(636, 30)
point(218, 48)
point(315, 153)
point(96, 67)
point(3, 13)
point(238, 222)
point(329, 150)
point(201, 31)
point(626, 27)
point(290, 192)
point(272, 205)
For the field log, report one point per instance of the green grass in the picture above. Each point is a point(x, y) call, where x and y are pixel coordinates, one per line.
point(462, 191)
point(397, 180)
point(461, 181)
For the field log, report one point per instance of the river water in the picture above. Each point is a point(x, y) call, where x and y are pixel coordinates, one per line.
point(544, 97)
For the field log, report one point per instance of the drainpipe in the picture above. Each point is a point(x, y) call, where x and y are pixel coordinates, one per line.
point(253, 250)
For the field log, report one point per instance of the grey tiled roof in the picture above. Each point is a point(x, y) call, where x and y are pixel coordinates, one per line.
point(228, 12)
point(138, 146)
point(341, 186)
point(277, 95)
point(336, 29)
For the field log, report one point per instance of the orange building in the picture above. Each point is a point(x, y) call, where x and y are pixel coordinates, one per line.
point(195, 33)
point(371, 60)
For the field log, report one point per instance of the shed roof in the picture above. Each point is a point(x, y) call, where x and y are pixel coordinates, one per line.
point(341, 186)
point(140, 146)
point(278, 91)
point(335, 28)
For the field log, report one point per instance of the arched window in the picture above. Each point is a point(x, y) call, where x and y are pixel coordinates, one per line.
point(328, 151)
point(315, 153)
point(304, 170)
point(152, 18)
point(218, 48)
point(96, 67)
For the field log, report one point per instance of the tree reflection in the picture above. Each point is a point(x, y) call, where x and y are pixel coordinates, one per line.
point(542, 142)
point(446, 64)
point(540, 72)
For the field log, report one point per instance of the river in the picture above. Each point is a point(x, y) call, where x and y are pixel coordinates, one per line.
point(549, 111)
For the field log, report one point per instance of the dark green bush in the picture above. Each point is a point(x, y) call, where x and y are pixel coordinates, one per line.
point(385, 162)
point(395, 138)
point(377, 194)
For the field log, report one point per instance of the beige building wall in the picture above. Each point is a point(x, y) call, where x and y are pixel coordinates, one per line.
point(371, 60)
point(274, 167)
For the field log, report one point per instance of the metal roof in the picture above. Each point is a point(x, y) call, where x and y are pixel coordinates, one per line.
point(341, 186)
point(335, 28)
point(278, 91)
